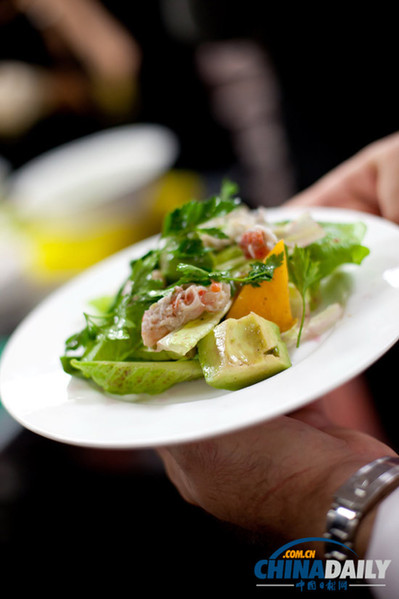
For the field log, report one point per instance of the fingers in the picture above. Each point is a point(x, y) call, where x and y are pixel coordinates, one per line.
point(368, 182)
point(176, 475)
point(350, 185)
point(314, 414)
point(387, 165)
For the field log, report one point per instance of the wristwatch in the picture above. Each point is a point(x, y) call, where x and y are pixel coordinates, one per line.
point(353, 500)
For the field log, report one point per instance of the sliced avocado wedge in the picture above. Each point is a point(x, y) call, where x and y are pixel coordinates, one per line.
point(240, 352)
point(125, 378)
point(184, 340)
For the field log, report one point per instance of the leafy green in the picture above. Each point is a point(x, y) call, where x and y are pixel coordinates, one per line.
point(117, 333)
point(103, 304)
point(189, 250)
point(304, 274)
point(213, 232)
point(190, 216)
point(308, 265)
point(257, 273)
point(191, 247)
point(341, 245)
point(229, 258)
point(125, 378)
point(182, 231)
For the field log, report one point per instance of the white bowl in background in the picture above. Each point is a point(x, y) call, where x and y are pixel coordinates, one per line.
point(91, 173)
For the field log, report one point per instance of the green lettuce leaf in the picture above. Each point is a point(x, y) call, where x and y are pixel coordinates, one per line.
point(341, 245)
point(308, 266)
point(115, 334)
point(126, 378)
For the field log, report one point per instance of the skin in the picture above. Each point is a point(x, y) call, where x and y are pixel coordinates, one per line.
point(278, 479)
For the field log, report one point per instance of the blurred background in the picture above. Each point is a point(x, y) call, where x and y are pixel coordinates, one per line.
point(111, 114)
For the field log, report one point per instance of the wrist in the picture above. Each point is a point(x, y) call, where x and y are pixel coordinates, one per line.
point(352, 513)
point(308, 499)
point(332, 480)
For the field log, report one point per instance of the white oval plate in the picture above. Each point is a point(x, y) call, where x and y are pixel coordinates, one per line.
point(41, 397)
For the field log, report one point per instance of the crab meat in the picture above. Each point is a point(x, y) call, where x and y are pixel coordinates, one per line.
point(257, 242)
point(183, 305)
point(235, 224)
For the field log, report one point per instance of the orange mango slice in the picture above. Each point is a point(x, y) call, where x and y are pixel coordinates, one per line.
point(271, 299)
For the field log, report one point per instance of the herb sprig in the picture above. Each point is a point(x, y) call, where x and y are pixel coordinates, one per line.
point(304, 273)
point(258, 272)
point(188, 218)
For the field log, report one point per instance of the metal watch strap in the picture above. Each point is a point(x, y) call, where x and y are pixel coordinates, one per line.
point(354, 499)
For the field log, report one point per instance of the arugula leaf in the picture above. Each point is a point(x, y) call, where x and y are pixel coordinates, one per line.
point(114, 335)
point(142, 270)
point(81, 338)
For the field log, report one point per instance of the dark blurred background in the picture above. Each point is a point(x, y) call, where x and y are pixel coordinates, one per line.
point(272, 97)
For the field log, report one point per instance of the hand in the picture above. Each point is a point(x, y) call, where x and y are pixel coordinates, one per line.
point(277, 478)
point(369, 182)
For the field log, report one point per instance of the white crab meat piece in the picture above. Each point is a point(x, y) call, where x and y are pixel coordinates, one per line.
point(183, 305)
point(257, 242)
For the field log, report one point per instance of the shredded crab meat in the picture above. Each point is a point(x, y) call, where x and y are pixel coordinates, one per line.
point(257, 242)
point(322, 322)
point(183, 305)
point(238, 223)
point(301, 232)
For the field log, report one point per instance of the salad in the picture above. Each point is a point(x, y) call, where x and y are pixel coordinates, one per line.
point(225, 296)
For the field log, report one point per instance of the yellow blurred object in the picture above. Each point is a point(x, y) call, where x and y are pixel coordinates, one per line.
point(174, 189)
point(116, 100)
point(58, 250)
point(62, 248)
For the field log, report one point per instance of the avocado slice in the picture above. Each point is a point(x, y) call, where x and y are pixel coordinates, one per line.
point(125, 378)
point(240, 352)
point(184, 340)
